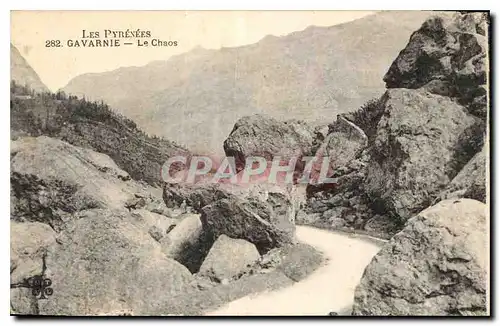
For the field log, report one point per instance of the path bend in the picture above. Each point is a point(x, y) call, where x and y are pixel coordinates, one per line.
point(329, 288)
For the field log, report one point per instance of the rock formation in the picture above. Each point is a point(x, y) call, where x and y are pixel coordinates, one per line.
point(51, 179)
point(228, 258)
point(110, 246)
point(250, 219)
point(28, 245)
point(410, 165)
point(344, 142)
point(262, 214)
point(437, 265)
point(266, 137)
point(187, 242)
point(116, 256)
point(447, 56)
point(471, 181)
point(423, 141)
point(413, 154)
point(105, 261)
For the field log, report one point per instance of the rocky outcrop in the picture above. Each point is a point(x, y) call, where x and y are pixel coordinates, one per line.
point(80, 221)
point(471, 181)
point(280, 267)
point(414, 150)
point(447, 56)
point(227, 258)
point(51, 179)
point(260, 135)
point(104, 261)
point(28, 246)
point(437, 265)
point(344, 204)
point(184, 234)
point(121, 258)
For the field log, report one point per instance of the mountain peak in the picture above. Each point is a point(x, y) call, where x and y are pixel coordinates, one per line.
point(22, 73)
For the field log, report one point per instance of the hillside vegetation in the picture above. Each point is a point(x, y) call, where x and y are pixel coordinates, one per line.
point(92, 125)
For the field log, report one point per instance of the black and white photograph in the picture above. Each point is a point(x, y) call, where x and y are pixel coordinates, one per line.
point(250, 163)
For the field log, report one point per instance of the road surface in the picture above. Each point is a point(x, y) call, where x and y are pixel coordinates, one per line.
point(329, 288)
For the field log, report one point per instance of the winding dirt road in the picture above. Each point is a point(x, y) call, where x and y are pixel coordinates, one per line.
point(329, 288)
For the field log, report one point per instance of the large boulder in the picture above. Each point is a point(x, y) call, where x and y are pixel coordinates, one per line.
point(263, 214)
point(103, 262)
point(414, 153)
point(260, 135)
point(279, 268)
point(51, 180)
point(228, 257)
point(185, 233)
point(437, 265)
point(447, 56)
point(262, 223)
point(423, 136)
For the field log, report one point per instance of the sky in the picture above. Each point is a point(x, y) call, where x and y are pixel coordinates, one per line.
point(30, 30)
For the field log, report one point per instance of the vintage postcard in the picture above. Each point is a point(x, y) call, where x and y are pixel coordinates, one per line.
point(249, 163)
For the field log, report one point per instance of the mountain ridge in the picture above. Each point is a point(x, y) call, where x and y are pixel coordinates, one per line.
point(310, 74)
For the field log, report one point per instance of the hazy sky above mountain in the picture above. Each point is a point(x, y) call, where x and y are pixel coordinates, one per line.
point(30, 31)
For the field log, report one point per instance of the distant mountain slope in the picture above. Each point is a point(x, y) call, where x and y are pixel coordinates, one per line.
point(22, 73)
point(91, 125)
point(314, 74)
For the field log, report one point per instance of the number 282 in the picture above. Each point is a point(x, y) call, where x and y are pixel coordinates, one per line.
point(53, 43)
